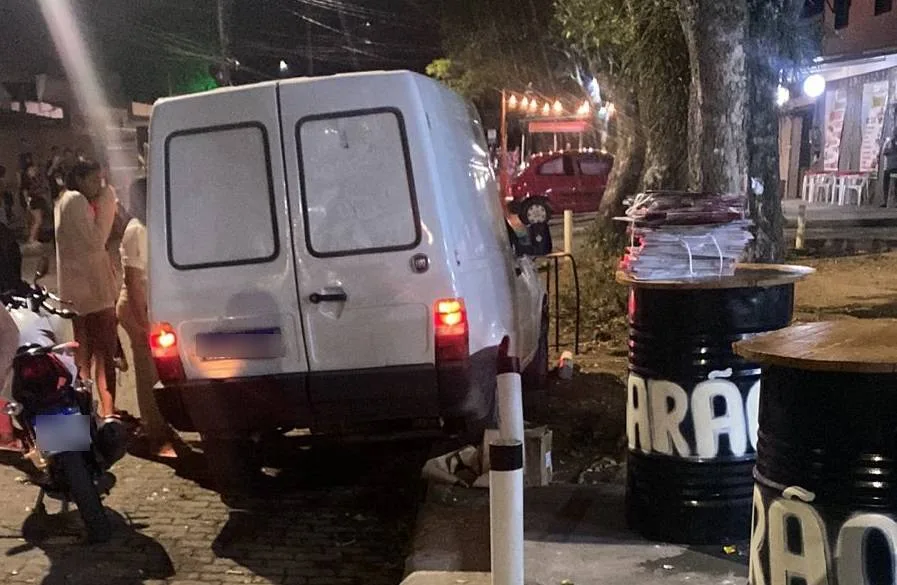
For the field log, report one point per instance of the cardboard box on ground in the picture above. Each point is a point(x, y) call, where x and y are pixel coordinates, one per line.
point(469, 466)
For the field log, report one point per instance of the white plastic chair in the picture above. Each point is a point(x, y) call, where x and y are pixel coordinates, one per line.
point(849, 184)
point(824, 189)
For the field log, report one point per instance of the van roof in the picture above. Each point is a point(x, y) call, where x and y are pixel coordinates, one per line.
point(351, 78)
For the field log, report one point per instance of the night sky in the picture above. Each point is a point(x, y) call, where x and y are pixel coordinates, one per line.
point(153, 44)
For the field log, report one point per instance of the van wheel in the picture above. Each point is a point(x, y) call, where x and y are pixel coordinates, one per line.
point(232, 462)
point(535, 210)
point(535, 379)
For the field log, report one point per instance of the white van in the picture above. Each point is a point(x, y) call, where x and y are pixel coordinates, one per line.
point(329, 252)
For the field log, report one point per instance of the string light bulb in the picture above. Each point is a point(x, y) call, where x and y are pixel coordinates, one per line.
point(558, 107)
point(512, 102)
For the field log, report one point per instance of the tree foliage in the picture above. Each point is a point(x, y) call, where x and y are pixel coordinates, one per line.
point(494, 44)
point(636, 49)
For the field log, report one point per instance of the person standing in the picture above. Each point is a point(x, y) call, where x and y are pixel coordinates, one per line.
point(133, 315)
point(36, 192)
point(84, 216)
point(6, 198)
point(9, 345)
point(890, 165)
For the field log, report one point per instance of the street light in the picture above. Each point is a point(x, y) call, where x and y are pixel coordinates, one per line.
point(814, 85)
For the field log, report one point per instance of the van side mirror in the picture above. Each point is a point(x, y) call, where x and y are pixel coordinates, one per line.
point(540, 243)
point(536, 241)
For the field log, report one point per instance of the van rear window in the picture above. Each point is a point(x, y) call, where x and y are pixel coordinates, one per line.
point(220, 197)
point(357, 184)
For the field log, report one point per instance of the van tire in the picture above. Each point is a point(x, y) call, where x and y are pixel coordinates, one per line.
point(535, 378)
point(536, 206)
point(232, 462)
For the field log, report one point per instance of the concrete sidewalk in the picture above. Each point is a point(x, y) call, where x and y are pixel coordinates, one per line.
point(820, 215)
point(574, 534)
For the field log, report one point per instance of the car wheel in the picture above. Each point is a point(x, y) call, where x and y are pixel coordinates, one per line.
point(232, 461)
point(535, 378)
point(535, 211)
point(84, 493)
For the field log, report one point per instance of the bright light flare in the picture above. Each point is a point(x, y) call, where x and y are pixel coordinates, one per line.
point(814, 85)
point(79, 66)
point(782, 96)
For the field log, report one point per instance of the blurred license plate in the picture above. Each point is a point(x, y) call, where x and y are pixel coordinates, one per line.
point(62, 432)
point(245, 345)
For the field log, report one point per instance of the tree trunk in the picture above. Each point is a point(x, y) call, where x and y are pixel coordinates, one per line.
point(715, 34)
point(665, 134)
point(629, 155)
point(628, 148)
point(767, 17)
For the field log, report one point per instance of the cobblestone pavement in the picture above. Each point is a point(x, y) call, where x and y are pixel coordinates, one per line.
point(338, 516)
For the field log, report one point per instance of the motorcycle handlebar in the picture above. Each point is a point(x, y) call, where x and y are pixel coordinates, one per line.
point(39, 298)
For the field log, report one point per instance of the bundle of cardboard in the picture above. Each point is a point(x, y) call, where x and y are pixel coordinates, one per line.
point(678, 235)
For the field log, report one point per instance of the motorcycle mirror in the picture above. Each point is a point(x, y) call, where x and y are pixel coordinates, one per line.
point(43, 266)
point(12, 409)
point(68, 346)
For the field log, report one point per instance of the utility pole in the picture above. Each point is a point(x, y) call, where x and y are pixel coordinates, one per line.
point(224, 40)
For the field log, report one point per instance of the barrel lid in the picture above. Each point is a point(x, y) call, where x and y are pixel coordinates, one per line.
point(746, 276)
point(866, 346)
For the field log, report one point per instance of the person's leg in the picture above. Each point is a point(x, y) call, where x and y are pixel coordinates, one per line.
point(103, 331)
point(157, 429)
point(84, 353)
point(37, 218)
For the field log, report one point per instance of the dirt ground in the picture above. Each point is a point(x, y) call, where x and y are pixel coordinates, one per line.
point(863, 287)
point(588, 413)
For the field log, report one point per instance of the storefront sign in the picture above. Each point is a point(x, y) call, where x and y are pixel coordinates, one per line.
point(835, 106)
point(875, 102)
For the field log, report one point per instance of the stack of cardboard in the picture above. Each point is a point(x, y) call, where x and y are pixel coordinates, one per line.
point(678, 236)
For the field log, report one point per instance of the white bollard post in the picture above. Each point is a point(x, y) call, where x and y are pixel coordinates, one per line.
point(509, 393)
point(506, 511)
point(568, 231)
point(801, 227)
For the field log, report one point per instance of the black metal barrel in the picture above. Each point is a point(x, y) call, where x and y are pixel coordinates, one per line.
point(692, 404)
point(825, 505)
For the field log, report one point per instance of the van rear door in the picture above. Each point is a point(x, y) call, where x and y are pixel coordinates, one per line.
point(356, 161)
point(221, 259)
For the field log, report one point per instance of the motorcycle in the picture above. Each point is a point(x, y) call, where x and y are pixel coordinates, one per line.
point(54, 413)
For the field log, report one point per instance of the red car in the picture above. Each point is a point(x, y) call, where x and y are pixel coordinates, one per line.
point(551, 183)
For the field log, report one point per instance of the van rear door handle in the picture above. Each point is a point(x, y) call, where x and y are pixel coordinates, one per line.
point(328, 297)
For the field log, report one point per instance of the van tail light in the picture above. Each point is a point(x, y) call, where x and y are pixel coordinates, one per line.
point(452, 331)
point(164, 347)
